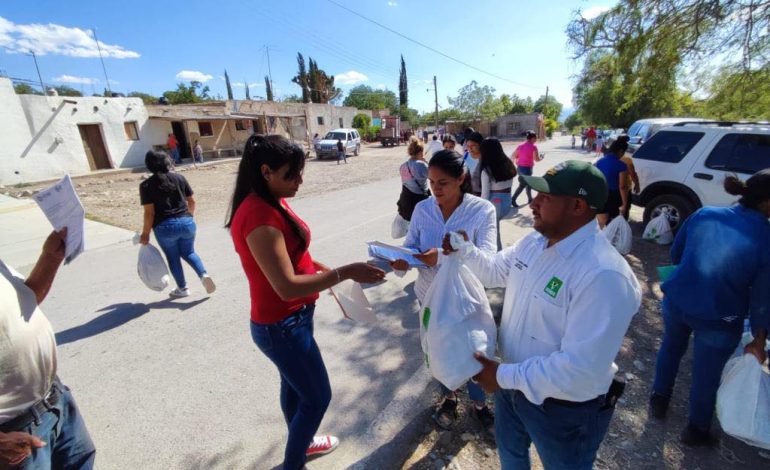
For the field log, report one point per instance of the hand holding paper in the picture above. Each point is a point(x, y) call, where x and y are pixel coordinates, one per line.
point(62, 207)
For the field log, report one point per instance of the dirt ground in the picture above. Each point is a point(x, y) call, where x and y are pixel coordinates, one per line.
point(633, 441)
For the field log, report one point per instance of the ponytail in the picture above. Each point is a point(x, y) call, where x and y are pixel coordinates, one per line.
point(754, 191)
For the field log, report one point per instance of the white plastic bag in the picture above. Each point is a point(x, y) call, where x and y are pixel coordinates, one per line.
point(743, 401)
point(399, 227)
point(618, 232)
point(455, 322)
point(659, 230)
point(152, 268)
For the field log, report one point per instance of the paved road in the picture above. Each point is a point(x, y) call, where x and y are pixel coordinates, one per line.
point(179, 384)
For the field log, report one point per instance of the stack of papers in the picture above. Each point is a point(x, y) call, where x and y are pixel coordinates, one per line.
point(392, 253)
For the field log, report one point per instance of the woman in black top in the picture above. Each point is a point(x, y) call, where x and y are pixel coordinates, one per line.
point(168, 204)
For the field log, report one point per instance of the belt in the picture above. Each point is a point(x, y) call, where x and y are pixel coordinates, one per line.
point(33, 413)
point(573, 404)
point(500, 191)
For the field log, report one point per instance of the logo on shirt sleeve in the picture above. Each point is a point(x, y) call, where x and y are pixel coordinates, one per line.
point(553, 286)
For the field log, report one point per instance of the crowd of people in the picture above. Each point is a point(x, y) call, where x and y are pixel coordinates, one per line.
point(570, 296)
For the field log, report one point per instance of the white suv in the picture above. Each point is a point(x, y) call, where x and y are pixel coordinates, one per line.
point(327, 147)
point(682, 167)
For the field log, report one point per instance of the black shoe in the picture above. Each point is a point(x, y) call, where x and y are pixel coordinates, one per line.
point(446, 414)
point(658, 405)
point(513, 204)
point(696, 437)
point(486, 418)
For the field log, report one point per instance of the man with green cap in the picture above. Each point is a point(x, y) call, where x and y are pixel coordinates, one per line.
point(568, 302)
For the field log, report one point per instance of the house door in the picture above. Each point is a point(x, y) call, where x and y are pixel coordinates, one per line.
point(181, 138)
point(93, 143)
point(493, 130)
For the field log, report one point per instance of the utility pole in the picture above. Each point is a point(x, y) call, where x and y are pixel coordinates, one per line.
point(435, 96)
point(269, 73)
point(40, 77)
point(545, 108)
point(109, 91)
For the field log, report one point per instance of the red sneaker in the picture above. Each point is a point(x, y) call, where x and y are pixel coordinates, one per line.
point(322, 445)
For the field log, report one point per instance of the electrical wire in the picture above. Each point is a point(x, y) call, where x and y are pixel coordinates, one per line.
point(447, 56)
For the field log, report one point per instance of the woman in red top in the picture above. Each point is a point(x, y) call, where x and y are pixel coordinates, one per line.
point(284, 282)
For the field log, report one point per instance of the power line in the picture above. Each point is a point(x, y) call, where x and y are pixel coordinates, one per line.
point(430, 48)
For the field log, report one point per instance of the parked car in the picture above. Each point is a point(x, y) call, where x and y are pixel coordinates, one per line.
point(327, 147)
point(682, 167)
point(641, 131)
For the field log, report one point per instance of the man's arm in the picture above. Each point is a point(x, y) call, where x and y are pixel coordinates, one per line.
point(759, 313)
point(42, 275)
point(598, 318)
point(149, 216)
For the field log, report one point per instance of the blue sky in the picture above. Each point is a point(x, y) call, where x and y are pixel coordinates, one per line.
point(149, 46)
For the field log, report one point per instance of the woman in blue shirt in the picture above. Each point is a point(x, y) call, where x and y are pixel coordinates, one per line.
point(614, 170)
point(723, 275)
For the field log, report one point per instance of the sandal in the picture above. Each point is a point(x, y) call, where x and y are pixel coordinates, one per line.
point(446, 414)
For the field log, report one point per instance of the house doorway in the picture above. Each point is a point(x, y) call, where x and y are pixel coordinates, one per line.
point(93, 144)
point(181, 138)
point(493, 130)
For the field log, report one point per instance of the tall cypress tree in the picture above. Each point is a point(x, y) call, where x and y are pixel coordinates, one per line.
point(246, 84)
point(302, 79)
point(403, 88)
point(268, 88)
point(229, 88)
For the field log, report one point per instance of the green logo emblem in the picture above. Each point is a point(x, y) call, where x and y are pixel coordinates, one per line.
point(426, 318)
point(553, 286)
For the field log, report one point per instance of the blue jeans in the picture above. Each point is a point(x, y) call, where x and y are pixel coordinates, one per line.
point(475, 392)
point(175, 155)
point(714, 343)
point(523, 171)
point(566, 437)
point(341, 156)
point(68, 444)
point(502, 203)
point(305, 388)
point(176, 237)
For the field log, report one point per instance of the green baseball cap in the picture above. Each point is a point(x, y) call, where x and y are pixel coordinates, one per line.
point(572, 178)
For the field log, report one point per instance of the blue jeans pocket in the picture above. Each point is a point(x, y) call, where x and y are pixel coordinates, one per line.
point(260, 334)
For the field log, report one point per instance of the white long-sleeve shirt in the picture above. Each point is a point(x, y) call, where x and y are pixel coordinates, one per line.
point(489, 184)
point(566, 310)
point(427, 228)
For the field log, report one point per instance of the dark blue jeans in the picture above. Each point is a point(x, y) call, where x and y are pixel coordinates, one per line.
point(305, 388)
point(176, 237)
point(68, 444)
point(523, 171)
point(566, 437)
point(475, 392)
point(714, 343)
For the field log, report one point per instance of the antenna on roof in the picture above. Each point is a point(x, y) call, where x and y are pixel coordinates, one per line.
point(109, 91)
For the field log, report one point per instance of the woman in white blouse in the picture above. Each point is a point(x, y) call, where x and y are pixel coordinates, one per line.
point(497, 173)
point(451, 208)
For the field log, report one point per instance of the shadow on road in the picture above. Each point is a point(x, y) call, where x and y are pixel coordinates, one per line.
point(119, 314)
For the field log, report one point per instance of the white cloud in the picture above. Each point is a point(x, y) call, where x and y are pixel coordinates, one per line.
point(593, 12)
point(78, 80)
point(251, 85)
point(193, 76)
point(380, 86)
point(392, 4)
point(350, 78)
point(55, 39)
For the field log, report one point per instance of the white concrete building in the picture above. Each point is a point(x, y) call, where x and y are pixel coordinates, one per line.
point(44, 137)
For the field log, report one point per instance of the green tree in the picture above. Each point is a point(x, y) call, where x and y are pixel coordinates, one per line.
point(64, 90)
point(551, 108)
point(322, 89)
point(737, 95)
point(229, 87)
point(403, 88)
point(574, 120)
point(24, 89)
point(365, 97)
point(268, 88)
point(246, 89)
point(195, 92)
point(521, 105)
point(302, 78)
point(146, 98)
point(473, 101)
point(362, 121)
point(293, 98)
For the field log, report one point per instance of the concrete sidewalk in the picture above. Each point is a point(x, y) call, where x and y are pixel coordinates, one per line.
point(25, 227)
